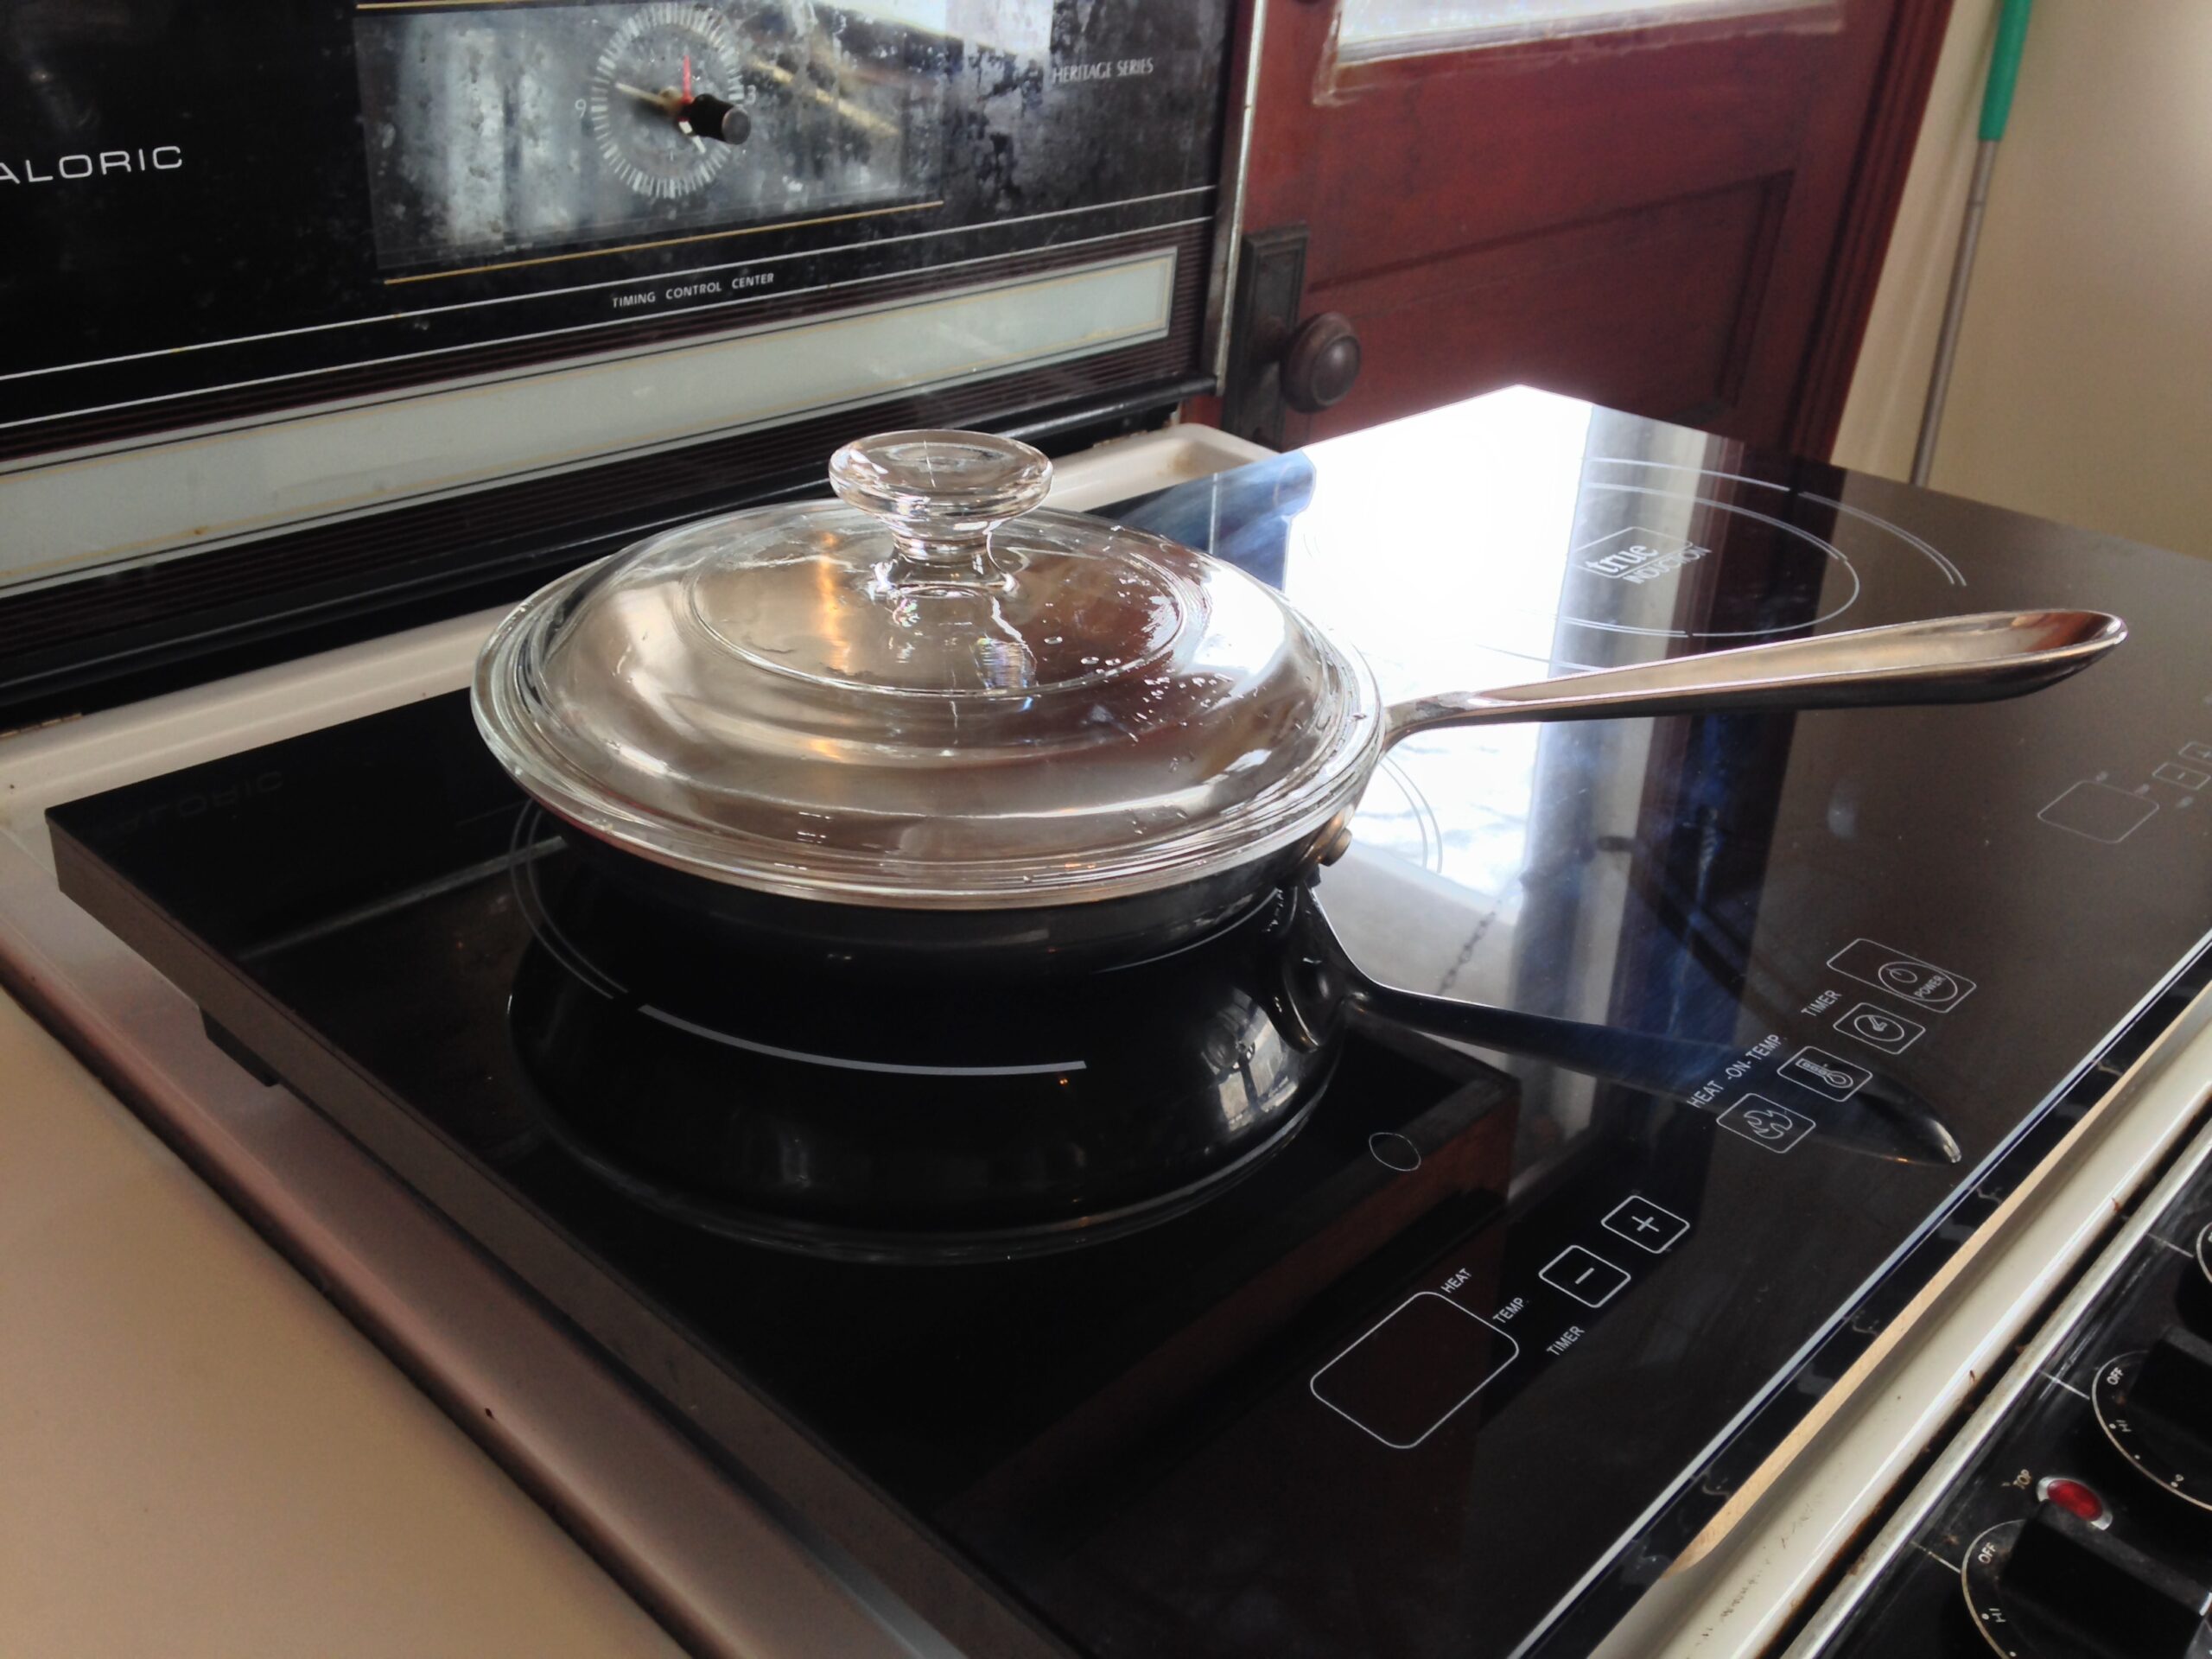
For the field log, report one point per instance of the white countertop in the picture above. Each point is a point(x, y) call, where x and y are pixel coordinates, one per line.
point(203, 1456)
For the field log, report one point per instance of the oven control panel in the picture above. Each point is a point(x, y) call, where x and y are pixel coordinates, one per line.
point(229, 209)
point(2081, 1525)
point(334, 315)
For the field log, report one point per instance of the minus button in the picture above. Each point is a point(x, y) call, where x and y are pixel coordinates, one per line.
point(1584, 1275)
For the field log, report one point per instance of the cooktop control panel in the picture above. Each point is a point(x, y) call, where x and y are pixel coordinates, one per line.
point(2081, 1526)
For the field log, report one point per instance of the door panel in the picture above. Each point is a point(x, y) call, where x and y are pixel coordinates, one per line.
point(1642, 309)
point(1645, 217)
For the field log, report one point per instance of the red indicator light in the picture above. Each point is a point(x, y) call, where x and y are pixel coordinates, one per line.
point(2072, 1496)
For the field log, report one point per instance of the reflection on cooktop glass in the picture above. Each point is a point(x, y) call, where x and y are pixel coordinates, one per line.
point(1184, 1329)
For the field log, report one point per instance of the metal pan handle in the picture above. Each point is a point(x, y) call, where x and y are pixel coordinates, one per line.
point(1883, 1118)
point(1950, 659)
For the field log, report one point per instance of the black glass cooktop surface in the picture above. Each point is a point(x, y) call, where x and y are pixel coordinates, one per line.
point(1457, 1361)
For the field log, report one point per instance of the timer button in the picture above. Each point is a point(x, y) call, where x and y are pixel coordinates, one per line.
point(2082, 1591)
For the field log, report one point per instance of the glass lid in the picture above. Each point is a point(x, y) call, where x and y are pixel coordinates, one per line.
point(929, 696)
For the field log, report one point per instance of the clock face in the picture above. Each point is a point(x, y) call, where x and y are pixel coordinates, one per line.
point(498, 130)
point(658, 54)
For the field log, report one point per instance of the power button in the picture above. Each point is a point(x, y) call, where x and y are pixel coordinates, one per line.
point(1919, 983)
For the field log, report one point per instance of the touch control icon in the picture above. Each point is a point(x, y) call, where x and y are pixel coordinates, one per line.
point(1646, 1224)
point(1584, 1275)
point(1765, 1123)
point(1878, 1028)
point(2097, 812)
point(1922, 984)
point(1423, 1362)
point(1825, 1073)
point(1394, 1151)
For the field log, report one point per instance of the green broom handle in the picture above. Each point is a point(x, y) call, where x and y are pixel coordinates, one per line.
point(2003, 69)
point(1996, 110)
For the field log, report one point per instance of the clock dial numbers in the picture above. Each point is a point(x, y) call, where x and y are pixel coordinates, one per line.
point(654, 63)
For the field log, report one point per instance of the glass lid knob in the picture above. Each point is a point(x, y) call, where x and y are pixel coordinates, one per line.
point(940, 493)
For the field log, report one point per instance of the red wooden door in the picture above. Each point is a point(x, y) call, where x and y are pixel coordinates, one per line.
point(1681, 219)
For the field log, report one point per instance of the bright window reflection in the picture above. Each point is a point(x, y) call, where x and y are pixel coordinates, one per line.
point(1475, 557)
point(1391, 29)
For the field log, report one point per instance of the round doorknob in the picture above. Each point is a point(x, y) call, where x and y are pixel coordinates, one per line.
point(1320, 362)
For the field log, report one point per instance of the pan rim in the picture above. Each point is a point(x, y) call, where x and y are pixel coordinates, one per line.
point(1312, 808)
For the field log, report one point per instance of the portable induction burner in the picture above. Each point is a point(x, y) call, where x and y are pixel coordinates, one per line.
point(1467, 1361)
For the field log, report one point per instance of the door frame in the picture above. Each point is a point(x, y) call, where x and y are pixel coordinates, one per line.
point(1886, 142)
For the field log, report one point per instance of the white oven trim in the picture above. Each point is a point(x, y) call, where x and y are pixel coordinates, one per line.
point(72, 514)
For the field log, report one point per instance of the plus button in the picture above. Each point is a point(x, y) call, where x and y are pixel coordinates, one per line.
point(1647, 1226)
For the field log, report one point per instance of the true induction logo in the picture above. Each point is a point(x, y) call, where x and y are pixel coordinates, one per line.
point(1638, 555)
point(89, 164)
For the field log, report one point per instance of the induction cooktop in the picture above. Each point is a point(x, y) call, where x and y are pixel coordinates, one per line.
point(1466, 1361)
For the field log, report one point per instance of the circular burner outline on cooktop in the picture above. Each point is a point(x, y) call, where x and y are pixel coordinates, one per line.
point(1949, 571)
point(570, 972)
point(1804, 535)
point(525, 851)
point(1952, 574)
point(1927, 550)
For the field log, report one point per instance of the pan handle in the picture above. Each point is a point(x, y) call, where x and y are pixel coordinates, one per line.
point(1949, 659)
point(1884, 1117)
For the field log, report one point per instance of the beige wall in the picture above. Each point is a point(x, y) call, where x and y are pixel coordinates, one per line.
point(2084, 389)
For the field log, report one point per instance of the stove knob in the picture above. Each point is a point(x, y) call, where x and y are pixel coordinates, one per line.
point(2156, 1406)
point(2174, 1393)
point(2071, 1589)
point(2193, 1298)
